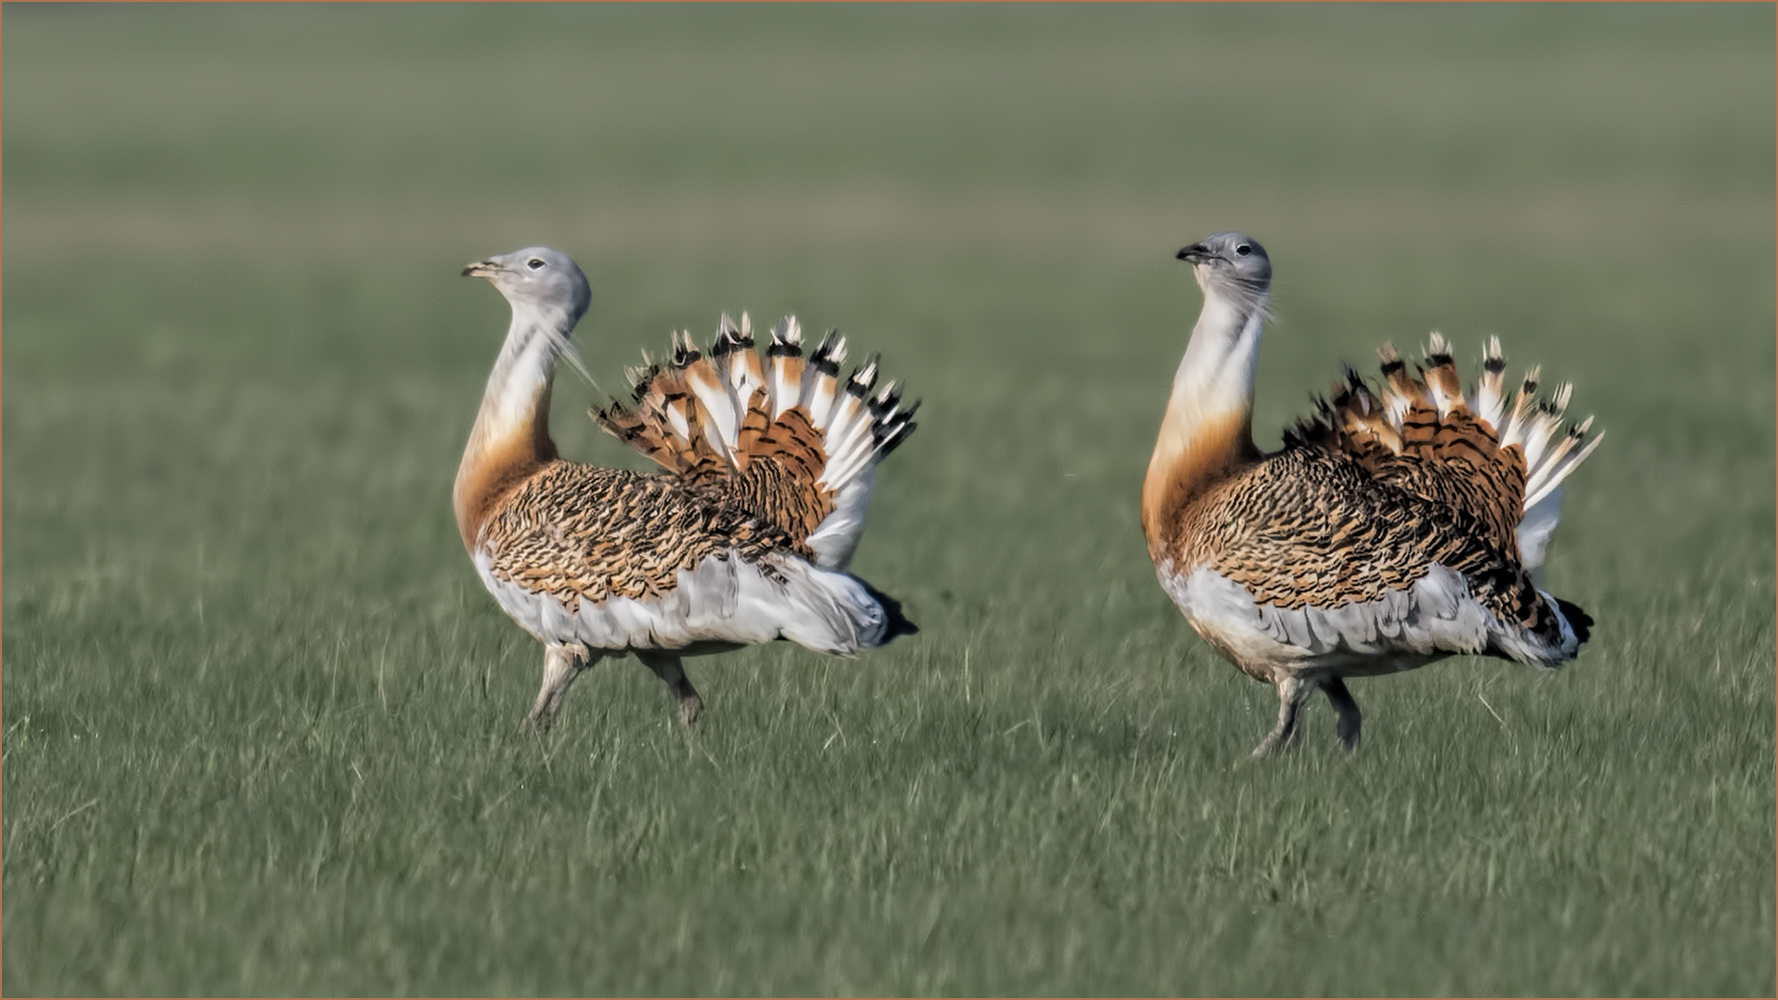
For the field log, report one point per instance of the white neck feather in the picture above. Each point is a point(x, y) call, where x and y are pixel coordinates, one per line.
point(518, 389)
point(1215, 378)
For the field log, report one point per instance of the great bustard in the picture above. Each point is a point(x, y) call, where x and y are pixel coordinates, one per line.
point(744, 539)
point(1393, 528)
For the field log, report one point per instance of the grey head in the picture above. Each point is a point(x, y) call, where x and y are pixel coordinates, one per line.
point(1231, 265)
point(538, 280)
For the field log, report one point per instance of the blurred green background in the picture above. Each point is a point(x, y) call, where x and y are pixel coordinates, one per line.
point(259, 716)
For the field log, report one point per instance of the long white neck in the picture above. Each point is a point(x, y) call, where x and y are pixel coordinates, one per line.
point(1207, 428)
point(510, 438)
point(518, 387)
point(1215, 378)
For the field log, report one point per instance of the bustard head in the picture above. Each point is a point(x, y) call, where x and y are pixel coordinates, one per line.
point(538, 280)
point(1230, 265)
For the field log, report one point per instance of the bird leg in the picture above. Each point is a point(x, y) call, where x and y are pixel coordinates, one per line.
point(667, 667)
point(1291, 694)
point(1347, 709)
point(561, 664)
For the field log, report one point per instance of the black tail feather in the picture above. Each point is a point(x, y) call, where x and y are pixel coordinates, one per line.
point(1578, 620)
point(899, 624)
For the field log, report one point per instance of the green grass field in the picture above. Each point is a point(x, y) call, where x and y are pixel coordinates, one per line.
point(260, 718)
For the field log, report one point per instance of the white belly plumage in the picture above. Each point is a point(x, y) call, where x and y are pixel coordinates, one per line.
point(721, 603)
point(1434, 617)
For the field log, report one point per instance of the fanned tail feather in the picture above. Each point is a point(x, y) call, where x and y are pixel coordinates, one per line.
point(715, 399)
point(789, 438)
point(1400, 391)
point(785, 359)
point(1533, 426)
point(820, 381)
point(756, 419)
point(743, 371)
point(1440, 377)
point(1488, 402)
point(1502, 456)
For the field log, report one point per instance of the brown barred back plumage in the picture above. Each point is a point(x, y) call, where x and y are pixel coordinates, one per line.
point(1312, 527)
point(580, 532)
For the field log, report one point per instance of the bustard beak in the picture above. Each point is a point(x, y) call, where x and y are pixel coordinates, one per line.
point(481, 269)
point(1194, 253)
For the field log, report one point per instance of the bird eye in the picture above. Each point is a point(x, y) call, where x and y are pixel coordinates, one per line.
point(534, 263)
point(1243, 250)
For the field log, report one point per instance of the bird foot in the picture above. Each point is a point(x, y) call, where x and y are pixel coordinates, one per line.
point(1266, 748)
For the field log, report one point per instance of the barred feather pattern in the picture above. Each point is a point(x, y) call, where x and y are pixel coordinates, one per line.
point(1312, 527)
point(786, 440)
point(1485, 454)
point(583, 533)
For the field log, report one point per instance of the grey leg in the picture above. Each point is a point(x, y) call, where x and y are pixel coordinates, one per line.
point(561, 664)
point(667, 667)
point(1347, 709)
point(1291, 694)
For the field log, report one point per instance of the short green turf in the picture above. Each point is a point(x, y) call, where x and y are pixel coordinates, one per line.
point(260, 719)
